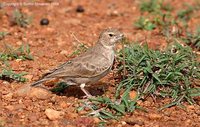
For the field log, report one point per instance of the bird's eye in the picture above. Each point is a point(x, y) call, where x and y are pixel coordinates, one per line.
point(111, 35)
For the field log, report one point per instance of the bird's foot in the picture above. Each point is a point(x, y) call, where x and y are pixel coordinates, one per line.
point(88, 95)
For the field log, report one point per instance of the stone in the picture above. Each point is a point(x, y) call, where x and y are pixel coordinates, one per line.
point(22, 91)
point(132, 95)
point(8, 96)
point(154, 116)
point(133, 121)
point(64, 104)
point(40, 93)
point(53, 114)
point(64, 52)
point(10, 107)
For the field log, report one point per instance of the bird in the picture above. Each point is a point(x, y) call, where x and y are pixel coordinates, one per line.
point(90, 66)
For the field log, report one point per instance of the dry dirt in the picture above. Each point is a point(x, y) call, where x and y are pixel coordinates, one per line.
point(50, 45)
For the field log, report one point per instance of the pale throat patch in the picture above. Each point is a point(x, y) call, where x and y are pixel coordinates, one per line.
point(109, 47)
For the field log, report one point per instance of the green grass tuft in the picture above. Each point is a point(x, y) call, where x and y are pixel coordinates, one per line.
point(9, 75)
point(21, 19)
point(144, 24)
point(155, 6)
point(163, 74)
point(9, 53)
point(23, 53)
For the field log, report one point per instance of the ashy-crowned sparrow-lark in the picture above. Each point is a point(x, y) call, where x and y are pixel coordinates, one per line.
point(89, 67)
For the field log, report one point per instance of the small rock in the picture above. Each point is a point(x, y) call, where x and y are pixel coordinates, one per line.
point(96, 120)
point(191, 107)
point(154, 116)
point(10, 107)
point(18, 60)
point(40, 93)
point(8, 96)
point(132, 121)
point(71, 115)
point(132, 95)
point(80, 9)
point(44, 122)
point(64, 52)
point(23, 91)
point(5, 82)
point(50, 30)
point(19, 42)
point(53, 114)
point(82, 112)
point(44, 21)
point(113, 13)
point(188, 121)
point(136, 125)
point(123, 123)
point(63, 104)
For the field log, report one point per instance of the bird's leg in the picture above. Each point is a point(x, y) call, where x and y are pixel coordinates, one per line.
point(85, 91)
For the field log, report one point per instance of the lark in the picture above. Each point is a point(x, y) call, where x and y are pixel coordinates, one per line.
point(90, 66)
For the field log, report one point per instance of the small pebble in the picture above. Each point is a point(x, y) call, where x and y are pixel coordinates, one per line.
point(44, 21)
point(64, 52)
point(53, 114)
point(132, 95)
point(154, 116)
point(80, 9)
point(8, 96)
point(40, 93)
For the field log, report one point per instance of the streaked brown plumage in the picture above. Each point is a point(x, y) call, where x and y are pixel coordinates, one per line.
point(89, 67)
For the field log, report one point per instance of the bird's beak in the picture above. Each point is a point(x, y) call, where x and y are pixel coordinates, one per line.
point(122, 35)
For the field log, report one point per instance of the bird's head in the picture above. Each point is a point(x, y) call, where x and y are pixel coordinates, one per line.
point(109, 37)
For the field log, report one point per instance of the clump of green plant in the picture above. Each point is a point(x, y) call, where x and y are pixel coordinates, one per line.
point(145, 24)
point(60, 87)
point(193, 39)
point(155, 6)
point(170, 73)
point(159, 13)
point(6, 73)
point(161, 17)
point(23, 53)
point(161, 20)
point(21, 19)
point(106, 108)
point(165, 74)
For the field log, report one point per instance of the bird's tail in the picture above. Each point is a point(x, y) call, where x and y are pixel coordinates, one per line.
point(39, 82)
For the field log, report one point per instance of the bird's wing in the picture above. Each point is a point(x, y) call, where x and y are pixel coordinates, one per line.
point(84, 66)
